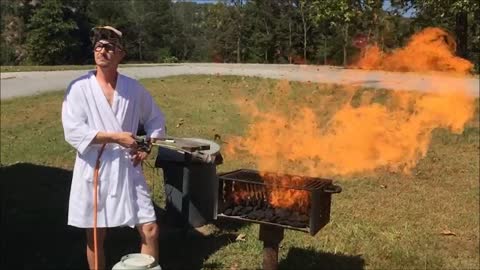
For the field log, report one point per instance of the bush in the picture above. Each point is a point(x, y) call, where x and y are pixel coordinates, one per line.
point(164, 56)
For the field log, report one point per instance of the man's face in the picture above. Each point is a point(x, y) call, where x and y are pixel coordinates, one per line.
point(107, 54)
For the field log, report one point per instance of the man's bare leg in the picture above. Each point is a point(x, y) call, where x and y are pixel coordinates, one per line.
point(149, 234)
point(101, 232)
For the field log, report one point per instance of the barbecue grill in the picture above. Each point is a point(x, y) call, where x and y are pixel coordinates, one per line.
point(197, 195)
point(244, 196)
point(276, 202)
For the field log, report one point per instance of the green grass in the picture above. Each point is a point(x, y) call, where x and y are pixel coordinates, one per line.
point(380, 221)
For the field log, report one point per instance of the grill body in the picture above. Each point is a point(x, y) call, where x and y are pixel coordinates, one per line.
point(249, 192)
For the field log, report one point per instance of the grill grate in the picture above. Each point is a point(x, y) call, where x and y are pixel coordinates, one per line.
point(247, 195)
point(302, 183)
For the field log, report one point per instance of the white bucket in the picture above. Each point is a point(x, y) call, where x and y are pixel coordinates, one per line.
point(137, 261)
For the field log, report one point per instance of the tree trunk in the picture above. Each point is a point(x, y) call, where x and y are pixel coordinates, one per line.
point(289, 40)
point(476, 32)
point(304, 34)
point(304, 44)
point(238, 48)
point(461, 31)
point(140, 49)
point(238, 5)
point(268, 35)
point(345, 43)
point(185, 51)
point(325, 50)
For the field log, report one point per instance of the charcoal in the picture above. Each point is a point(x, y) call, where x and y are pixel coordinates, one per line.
point(228, 204)
point(243, 211)
point(260, 214)
point(252, 215)
point(298, 217)
point(236, 210)
point(281, 221)
point(275, 218)
point(268, 214)
point(303, 218)
point(282, 213)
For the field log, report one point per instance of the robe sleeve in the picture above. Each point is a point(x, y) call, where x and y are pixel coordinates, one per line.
point(152, 117)
point(74, 120)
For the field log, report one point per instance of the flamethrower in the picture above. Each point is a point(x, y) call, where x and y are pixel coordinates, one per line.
point(190, 148)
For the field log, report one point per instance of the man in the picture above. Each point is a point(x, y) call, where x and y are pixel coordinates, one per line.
point(100, 108)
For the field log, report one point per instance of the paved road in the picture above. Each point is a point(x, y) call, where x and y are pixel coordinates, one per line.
point(28, 83)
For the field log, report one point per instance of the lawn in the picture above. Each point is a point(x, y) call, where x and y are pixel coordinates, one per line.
point(428, 219)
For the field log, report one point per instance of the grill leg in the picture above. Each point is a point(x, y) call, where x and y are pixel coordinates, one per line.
point(271, 237)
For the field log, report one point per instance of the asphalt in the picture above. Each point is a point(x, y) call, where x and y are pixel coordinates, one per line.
point(16, 84)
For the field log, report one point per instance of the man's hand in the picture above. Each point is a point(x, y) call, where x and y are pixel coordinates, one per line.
point(126, 139)
point(138, 156)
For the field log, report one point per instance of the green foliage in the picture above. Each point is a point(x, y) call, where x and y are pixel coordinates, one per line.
point(254, 31)
point(50, 40)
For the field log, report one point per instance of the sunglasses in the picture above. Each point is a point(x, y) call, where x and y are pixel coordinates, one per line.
point(107, 35)
point(109, 47)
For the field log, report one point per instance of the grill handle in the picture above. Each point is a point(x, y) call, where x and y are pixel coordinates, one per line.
point(332, 189)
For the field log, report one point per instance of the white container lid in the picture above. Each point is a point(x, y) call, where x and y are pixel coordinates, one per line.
point(137, 261)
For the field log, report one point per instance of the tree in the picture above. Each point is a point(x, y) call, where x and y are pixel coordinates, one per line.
point(14, 17)
point(50, 39)
point(238, 14)
point(189, 34)
point(305, 10)
point(340, 14)
point(222, 33)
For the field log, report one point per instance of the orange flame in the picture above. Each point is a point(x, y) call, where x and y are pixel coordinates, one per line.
point(240, 196)
point(356, 138)
point(281, 197)
point(290, 137)
point(361, 134)
point(431, 49)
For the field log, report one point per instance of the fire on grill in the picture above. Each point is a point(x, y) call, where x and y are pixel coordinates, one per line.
point(289, 201)
point(277, 202)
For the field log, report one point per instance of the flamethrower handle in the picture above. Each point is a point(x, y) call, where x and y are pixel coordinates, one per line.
point(332, 189)
point(143, 144)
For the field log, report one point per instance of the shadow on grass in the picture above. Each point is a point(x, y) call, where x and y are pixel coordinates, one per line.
point(309, 259)
point(34, 217)
point(34, 201)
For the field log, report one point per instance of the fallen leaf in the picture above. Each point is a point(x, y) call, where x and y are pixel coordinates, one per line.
point(447, 232)
point(180, 122)
point(240, 237)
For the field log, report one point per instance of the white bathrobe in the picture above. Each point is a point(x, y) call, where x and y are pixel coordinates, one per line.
point(124, 197)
